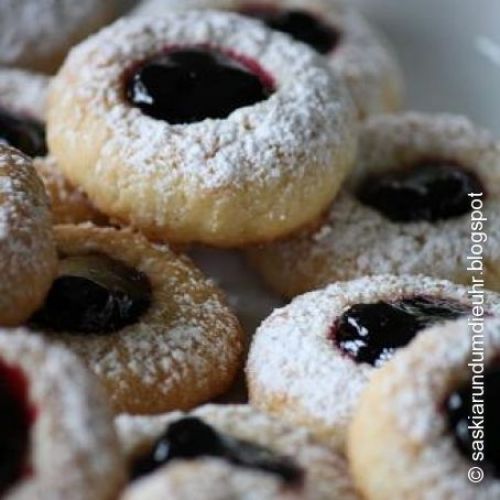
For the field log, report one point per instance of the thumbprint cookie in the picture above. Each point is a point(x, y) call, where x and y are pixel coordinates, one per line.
point(199, 127)
point(427, 425)
point(37, 34)
point(230, 451)
point(310, 361)
point(56, 434)
point(359, 55)
point(28, 258)
point(152, 328)
point(22, 125)
point(425, 194)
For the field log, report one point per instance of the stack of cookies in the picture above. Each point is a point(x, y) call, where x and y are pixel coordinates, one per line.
point(273, 128)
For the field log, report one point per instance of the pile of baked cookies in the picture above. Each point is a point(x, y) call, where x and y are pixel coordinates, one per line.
point(273, 127)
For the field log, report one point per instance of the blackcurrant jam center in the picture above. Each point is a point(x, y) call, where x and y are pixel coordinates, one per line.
point(94, 294)
point(301, 25)
point(428, 191)
point(16, 418)
point(190, 438)
point(22, 133)
point(182, 86)
point(464, 420)
point(370, 333)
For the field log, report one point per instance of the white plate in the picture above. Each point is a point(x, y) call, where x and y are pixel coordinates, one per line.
point(450, 51)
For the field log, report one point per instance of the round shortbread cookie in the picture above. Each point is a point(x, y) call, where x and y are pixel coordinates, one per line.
point(228, 176)
point(154, 330)
point(310, 360)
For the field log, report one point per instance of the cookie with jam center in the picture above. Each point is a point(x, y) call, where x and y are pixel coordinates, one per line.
point(152, 328)
point(310, 361)
point(429, 418)
point(424, 186)
point(56, 434)
point(201, 130)
point(229, 451)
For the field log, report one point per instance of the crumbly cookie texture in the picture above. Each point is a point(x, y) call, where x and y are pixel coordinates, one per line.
point(326, 472)
point(184, 350)
point(249, 177)
point(403, 449)
point(27, 249)
point(36, 34)
point(74, 452)
point(356, 240)
point(295, 369)
point(364, 59)
point(24, 92)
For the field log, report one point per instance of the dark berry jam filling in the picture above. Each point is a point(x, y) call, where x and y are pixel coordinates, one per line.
point(16, 419)
point(469, 426)
point(94, 294)
point(22, 133)
point(428, 191)
point(370, 333)
point(189, 85)
point(191, 438)
point(301, 25)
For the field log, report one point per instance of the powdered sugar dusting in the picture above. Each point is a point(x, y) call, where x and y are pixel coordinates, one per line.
point(26, 239)
point(16, 198)
point(212, 153)
point(296, 371)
